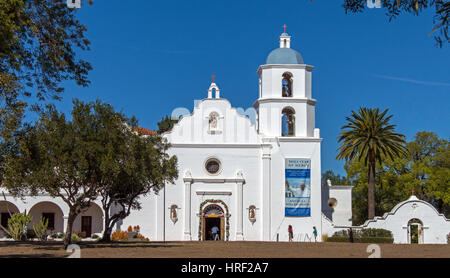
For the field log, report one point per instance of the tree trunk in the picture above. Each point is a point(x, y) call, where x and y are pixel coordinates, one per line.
point(108, 229)
point(106, 235)
point(68, 236)
point(371, 190)
point(109, 225)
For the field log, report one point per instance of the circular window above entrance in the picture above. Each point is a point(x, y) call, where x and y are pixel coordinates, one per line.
point(213, 166)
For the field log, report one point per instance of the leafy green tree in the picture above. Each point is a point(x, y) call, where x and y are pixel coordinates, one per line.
point(394, 8)
point(134, 165)
point(369, 137)
point(166, 124)
point(38, 40)
point(38, 44)
point(11, 116)
point(335, 179)
point(96, 154)
point(64, 158)
point(426, 170)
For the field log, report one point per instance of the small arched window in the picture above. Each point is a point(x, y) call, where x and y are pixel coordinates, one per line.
point(288, 122)
point(213, 210)
point(286, 85)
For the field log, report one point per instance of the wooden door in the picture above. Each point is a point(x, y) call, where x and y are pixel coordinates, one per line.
point(222, 228)
point(86, 225)
point(50, 217)
point(5, 216)
point(203, 229)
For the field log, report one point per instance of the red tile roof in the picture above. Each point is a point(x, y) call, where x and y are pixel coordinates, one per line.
point(144, 131)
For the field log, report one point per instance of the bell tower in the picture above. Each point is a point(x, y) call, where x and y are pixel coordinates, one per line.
point(285, 106)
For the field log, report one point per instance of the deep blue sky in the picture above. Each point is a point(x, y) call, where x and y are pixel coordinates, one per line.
point(150, 57)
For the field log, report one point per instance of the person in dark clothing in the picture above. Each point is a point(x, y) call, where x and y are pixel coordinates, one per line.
point(291, 233)
point(350, 235)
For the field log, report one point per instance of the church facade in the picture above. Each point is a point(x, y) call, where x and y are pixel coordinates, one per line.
point(249, 180)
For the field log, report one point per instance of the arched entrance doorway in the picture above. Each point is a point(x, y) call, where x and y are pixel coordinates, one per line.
point(415, 231)
point(213, 219)
point(89, 221)
point(49, 211)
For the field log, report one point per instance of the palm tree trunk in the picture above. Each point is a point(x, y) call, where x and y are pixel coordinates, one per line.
point(371, 190)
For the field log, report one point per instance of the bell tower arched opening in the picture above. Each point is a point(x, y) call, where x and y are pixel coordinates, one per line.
point(286, 84)
point(288, 122)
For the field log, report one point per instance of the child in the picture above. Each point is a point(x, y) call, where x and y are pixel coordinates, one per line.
point(315, 233)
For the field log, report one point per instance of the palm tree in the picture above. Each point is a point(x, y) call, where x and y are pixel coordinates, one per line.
point(369, 136)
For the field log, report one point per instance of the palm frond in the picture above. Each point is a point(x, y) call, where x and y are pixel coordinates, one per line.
point(368, 131)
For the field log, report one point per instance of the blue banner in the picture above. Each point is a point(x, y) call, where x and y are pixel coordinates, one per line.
point(297, 187)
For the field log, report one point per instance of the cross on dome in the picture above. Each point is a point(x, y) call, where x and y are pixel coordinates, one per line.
point(213, 76)
point(412, 192)
point(285, 39)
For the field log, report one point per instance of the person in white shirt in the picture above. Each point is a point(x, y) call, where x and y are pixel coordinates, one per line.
point(215, 233)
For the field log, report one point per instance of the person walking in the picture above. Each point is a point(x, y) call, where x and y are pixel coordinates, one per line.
point(291, 233)
point(215, 233)
point(315, 233)
point(350, 235)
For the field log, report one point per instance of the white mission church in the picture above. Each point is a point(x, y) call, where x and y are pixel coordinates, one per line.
point(251, 181)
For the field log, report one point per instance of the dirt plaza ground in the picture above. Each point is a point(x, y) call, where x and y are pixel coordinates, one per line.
point(221, 250)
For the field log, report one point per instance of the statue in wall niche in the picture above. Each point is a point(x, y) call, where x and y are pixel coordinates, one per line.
point(252, 214)
point(173, 213)
point(213, 118)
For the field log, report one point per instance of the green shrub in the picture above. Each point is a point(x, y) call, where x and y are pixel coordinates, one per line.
point(75, 238)
point(365, 233)
point(342, 233)
point(17, 225)
point(57, 235)
point(40, 229)
point(376, 233)
point(376, 240)
point(361, 240)
point(337, 239)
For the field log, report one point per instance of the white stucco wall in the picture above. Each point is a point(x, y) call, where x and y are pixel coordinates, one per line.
point(47, 207)
point(341, 214)
point(436, 226)
point(36, 205)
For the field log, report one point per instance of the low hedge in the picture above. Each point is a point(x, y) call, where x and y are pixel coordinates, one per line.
point(361, 239)
point(368, 232)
